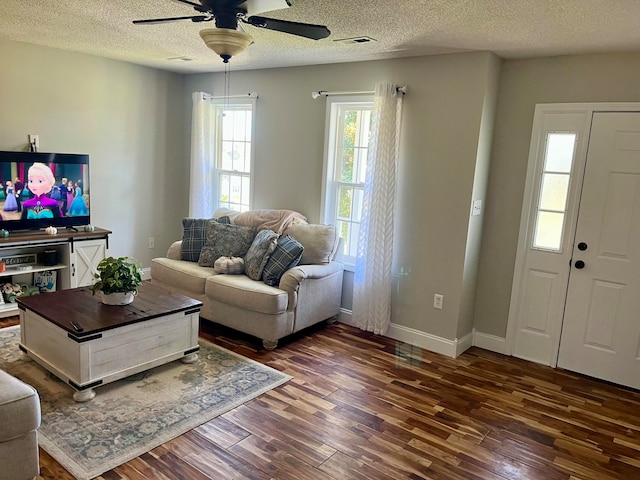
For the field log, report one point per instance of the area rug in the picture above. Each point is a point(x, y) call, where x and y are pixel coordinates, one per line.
point(134, 415)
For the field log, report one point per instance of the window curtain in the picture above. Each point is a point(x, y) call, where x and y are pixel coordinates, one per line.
point(373, 280)
point(203, 182)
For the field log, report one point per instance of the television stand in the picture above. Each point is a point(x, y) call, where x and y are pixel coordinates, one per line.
point(78, 254)
point(74, 229)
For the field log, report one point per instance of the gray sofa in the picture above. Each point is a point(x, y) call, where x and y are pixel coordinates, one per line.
point(19, 419)
point(305, 295)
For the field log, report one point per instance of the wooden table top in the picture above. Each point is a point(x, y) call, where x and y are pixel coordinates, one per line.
point(80, 305)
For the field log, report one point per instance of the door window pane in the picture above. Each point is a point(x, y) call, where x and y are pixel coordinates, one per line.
point(560, 147)
point(554, 190)
point(549, 230)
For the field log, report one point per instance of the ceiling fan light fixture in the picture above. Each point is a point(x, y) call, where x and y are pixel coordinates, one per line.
point(226, 42)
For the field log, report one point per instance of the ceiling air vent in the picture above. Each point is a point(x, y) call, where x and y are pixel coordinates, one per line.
point(353, 40)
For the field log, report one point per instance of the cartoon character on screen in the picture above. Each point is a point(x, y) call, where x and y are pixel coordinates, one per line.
point(18, 186)
point(10, 203)
point(40, 181)
point(69, 194)
point(78, 207)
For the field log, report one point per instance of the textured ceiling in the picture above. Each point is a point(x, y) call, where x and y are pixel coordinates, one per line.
point(402, 28)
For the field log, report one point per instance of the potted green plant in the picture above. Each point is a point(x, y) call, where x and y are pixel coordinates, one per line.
point(118, 280)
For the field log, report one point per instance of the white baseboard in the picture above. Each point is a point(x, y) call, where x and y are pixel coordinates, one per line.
point(489, 342)
point(345, 317)
point(450, 348)
point(463, 344)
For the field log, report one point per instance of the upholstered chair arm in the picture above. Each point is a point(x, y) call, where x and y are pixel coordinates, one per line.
point(175, 250)
point(293, 277)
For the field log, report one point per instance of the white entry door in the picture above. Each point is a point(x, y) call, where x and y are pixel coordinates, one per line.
point(600, 333)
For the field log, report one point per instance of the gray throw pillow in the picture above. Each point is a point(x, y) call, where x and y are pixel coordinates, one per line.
point(194, 234)
point(319, 241)
point(225, 240)
point(256, 258)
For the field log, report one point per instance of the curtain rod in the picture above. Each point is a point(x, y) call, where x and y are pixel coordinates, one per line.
point(207, 96)
point(324, 93)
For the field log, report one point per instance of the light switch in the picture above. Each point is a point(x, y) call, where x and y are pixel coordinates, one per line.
point(477, 207)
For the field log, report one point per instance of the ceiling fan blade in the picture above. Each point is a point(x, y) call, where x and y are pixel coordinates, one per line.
point(193, 4)
point(154, 21)
point(308, 30)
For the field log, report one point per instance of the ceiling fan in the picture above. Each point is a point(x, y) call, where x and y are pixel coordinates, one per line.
point(227, 14)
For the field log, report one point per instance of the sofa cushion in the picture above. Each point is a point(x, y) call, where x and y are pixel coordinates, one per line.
point(188, 276)
point(194, 235)
point(225, 240)
point(319, 242)
point(242, 292)
point(259, 252)
point(286, 255)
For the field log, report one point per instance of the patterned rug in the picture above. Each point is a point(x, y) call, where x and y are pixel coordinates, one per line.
point(134, 415)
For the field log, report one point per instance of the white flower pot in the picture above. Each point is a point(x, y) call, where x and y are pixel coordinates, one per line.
point(118, 298)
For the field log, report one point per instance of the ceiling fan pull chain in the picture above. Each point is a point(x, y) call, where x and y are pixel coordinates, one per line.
point(227, 82)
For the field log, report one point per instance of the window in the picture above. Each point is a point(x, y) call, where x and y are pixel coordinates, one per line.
point(347, 143)
point(554, 189)
point(233, 152)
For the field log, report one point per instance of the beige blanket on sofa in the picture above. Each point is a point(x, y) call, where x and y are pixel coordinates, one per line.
point(268, 219)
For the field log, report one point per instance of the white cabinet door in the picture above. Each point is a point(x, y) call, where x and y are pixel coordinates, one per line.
point(85, 256)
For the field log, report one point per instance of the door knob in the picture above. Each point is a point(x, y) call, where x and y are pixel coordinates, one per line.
point(582, 246)
point(579, 264)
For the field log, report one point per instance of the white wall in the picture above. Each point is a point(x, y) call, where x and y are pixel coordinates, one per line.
point(127, 118)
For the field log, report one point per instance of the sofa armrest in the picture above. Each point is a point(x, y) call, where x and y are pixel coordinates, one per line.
point(292, 278)
point(175, 251)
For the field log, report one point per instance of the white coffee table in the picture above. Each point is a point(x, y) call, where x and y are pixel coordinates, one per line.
point(115, 341)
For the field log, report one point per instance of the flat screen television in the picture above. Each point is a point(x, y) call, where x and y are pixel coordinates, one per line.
point(39, 190)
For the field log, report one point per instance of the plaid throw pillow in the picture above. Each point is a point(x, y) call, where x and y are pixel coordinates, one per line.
point(287, 254)
point(194, 236)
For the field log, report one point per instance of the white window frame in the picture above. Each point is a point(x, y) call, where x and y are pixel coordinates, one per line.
point(218, 106)
point(540, 184)
point(331, 185)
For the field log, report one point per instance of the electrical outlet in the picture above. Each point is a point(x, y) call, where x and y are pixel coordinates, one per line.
point(34, 140)
point(152, 242)
point(438, 301)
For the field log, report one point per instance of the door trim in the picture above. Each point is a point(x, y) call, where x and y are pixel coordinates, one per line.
point(530, 197)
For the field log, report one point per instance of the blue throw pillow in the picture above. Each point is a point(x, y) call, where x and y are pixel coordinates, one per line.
point(286, 255)
point(259, 252)
point(194, 236)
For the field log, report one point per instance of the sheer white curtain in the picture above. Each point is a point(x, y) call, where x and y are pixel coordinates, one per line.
point(373, 280)
point(202, 181)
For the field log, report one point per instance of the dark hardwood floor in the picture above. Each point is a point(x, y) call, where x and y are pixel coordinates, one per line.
point(367, 407)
